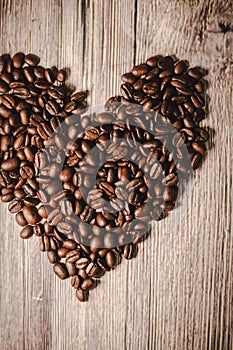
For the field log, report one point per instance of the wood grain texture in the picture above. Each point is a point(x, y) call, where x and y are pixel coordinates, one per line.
point(177, 293)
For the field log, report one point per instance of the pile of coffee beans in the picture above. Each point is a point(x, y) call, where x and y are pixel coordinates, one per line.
point(89, 184)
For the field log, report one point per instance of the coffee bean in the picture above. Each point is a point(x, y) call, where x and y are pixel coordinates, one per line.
point(180, 67)
point(71, 268)
point(18, 60)
point(15, 206)
point(72, 256)
point(110, 259)
point(54, 217)
point(20, 219)
point(81, 295)
point(60, 270)
point(82, 263)
point(32, 60)
point(94, 270)
point(139, 70)
point(30, 214)
point(88, 284)
point(52, 256)
point(75, 281)
point(10, 164)
point(26, 232)
point(69, 244)
point(195, 73)
point(129, 251)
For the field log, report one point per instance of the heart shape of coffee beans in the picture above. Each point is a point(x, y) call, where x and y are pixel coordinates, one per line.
point(89, 184)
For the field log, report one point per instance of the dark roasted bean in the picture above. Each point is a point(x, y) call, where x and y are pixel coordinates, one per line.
point(26, 232)
point(60, 270)
point(32, 60)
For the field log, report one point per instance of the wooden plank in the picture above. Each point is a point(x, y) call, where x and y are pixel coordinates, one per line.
point(177, 293)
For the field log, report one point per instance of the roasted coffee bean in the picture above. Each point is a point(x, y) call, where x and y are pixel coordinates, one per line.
point(4, 87)
point(170, 193)
point(69, 244)
point(10, 164)
point(129, 78)
point(52, 256)
point(199, 147)
point(71, 268)
point(30, 214)
point(20, 219)
point(103, 265)
point(72, 256)
point(39, 230)
point(15, 206)
point(195, 73)
point(110, 259)
point(26, 232)
point(18, 59)
point(49, 75)
point(140, 70)
point(82, 263)
point(81, 295)
point(61, 75)
point(32, 60)
point(129, 251)
point(60, 270)
point(75, 281)
point(54, 217)
point(94, 270)
point(88, 284)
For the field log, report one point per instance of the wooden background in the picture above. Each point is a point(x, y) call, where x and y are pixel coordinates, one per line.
point(177, 293)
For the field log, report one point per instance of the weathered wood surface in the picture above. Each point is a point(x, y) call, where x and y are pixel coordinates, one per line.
point(177, 293)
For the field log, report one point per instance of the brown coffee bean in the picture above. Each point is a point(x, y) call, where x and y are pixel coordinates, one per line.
point(60, 270)
point(52, 256)
point(54, 217)
point(15, 206)
point(140, 70)
point(129, 251)
point(26, 232)
point(153, 61)
point(30, 214)
point(82, 263)
point(110, 259)
point(199, 147)
point(102, 264)
point(61, 75)
point(61, 252)
point(70, 244)
point(94, 270)
point(170, 193)
point(18, 60)
point(195, 73)
point(105, 118)
point(32, 60)
point(88, 284)
point(49, 75)
point(128, 78)
point(20, 219)
point(180, 67)
point(4, 87)
point(81, 295)
point(52, 107)
point(71, 268)
point(10, 164)
point(196, 160)
point(75, 281)
point(72, 256)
